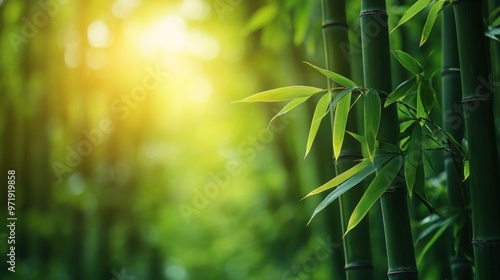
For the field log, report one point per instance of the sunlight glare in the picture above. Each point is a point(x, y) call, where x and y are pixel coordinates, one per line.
point(199, 89)
point(195, 9)
point(98, 34)
point(168, 34)
point(202, 45)
point(124, 8)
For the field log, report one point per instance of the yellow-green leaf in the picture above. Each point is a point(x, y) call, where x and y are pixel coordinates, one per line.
point(352, 181)
point(376, 188)
point(341, 80)
point(289, 106)
point(431, 19)
point(282, 94)
point(412, 11)
point(339, 123)
point(319, 114)
point(372, 112)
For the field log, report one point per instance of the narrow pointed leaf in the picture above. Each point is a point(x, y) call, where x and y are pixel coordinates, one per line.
point(351, 182)
point(282, 94)
point(342, 94)
point(341, 178)
point(341, 80)
point(466, 170)
point(358, 137)
point(372, 111)
point(428, 96)
point(319, 114)
point(401, 91)
point(409, 62)
point(289, 106)
point(493, 33)
point(420, 105)
point(376, 188)
point(431, 19)
point(443, 227)
point(412, 159)
point(339, 123)
point(412, 11)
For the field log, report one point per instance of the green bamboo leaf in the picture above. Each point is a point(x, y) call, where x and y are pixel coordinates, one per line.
point(341, 178)
point(421, 113)
point(342, 94)
point(381, 145)
point(413, 157)
point(442, 228)
point(289, 106)
point(261, 18)
point(431, 19)
point(493, 33)
point(376, 188)
point(341, 80)
point(319, 114)
point(419, 189)
point(282, 94)
point(352, 181)
point(401, 91)
point(372, 111)
point(452, 139)
point(358, 137)
point(412, 11)
point(409, 62)
point(339, 123)
point(466, 169)
point(428, 95)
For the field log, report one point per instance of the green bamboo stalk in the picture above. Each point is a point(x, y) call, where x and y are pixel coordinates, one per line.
point(494, 47)
point(357, 249)
point(477, 101)
point(458, 195)
point(376, 64)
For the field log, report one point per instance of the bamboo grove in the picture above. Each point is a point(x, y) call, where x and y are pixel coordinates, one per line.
point(389, 131)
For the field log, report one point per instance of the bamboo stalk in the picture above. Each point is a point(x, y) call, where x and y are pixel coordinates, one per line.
point(458, 194)
point(357, 249)
point(477, 99)
point(376, 64)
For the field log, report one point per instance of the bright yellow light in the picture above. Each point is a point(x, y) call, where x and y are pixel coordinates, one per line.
point(98, 34)
point(168, 34)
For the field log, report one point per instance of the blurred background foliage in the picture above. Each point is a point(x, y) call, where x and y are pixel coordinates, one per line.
point(130, 158)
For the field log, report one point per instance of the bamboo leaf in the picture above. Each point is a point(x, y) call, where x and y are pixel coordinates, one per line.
point(289, 106)
point(319, 114)
point(381, 145)
point(431, 19)
point(352, 181)
point(376, 188)
point(358, 137)
point(442, 228)
point(372, 111)
point(341, 178)
point(413, 157)
point(341, 80)
point(493, 33)
point(339, 123)
point(282, 94)
point(409, 62)
point(342, 94)
point(401, 91)
point(412, 11)
point(466, 169)
point(261, 18)
point(421, 113)
point(428, 95)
